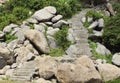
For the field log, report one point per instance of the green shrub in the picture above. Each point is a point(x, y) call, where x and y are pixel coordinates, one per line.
point(116, 7)
point(57, 52)
point(93, 46)
point(21, 13)
point(61, 39)
point(94, 14)
point(111, 35)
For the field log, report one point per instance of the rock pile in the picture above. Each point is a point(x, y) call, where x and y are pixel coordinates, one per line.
point(25, 58)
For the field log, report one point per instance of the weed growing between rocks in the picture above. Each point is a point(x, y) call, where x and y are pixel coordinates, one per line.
point(63, 43)
point(93, 46)
point(114, 81)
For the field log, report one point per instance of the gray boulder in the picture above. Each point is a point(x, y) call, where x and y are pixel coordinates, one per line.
point(38, 39)
point(82, 71)
point(102, 49)
point(108, 72)
point(47, 66)
point(116, 59)
point(6, 54)
point(44, 14)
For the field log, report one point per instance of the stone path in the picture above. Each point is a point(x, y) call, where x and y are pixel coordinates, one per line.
point(80, 36)
point(25, 72)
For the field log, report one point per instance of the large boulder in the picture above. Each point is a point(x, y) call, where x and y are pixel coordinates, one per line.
point(6, 54)
point(83, 71)
point(45, 14)
point(22, 53)
point(108, 72)
point(116, 59)
point(38, 39)
point(47, 66)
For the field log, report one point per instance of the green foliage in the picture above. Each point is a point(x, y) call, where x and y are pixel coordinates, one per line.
point(21, 13)
point(9, 38)
point(31, 26)
point(116, 7)
point(57, 52)
point(61, 39)
point(114, 81)
point(94, 14)
point(93, 46)
point(111, 35)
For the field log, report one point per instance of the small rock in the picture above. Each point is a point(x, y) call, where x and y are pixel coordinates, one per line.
point(89, 19)
point(48, 23)
point(52, 42)
point(116, 59)
point(57, 18)
point(8, 28)
point(32, 20)
point(14, 65)
point(59, 24)
point(93, 25)
point(41, 80)
point(102, 49)
point(52, 32)
point(83, 19)
point(101, 22)
point(110, 8)
point(98, 33)
point(2, 36)
point(40, 27)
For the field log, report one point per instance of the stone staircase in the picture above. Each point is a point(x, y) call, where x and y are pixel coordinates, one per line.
point(25, 72)
point(80, 36)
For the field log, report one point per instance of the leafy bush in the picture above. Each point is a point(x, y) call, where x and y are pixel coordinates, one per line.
point(94, 14)
point(21, 13)
point(111, 35)
point(116, 7)
point(61, 39)
point(57, 52)
point(9, 38)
